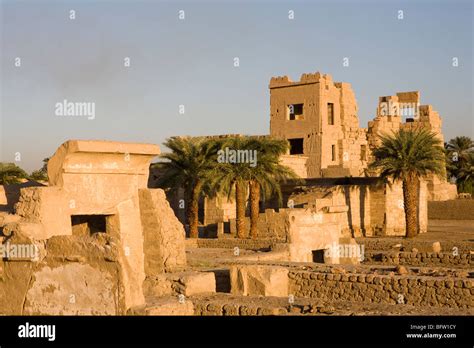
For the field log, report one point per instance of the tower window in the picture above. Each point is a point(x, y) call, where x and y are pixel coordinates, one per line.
point(330, 113)
point(295, 112)
point(296, 146)
point(333, 152)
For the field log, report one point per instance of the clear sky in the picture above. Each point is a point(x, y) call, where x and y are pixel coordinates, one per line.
point(190, 62)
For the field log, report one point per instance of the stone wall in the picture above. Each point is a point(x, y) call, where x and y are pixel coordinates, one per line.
point(231, 243)
point(459, 209)
point(270, 224)
point(298, 163)
point(370, 288)
point(419, 259)
point(374, 208)
point(72, 275)
point(394, 244)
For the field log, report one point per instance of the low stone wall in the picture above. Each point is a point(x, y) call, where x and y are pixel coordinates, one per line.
point(231, 243)
point(385, 244)
point(419, 259)
point(270, 224)
point(457, 209)
point(371, 288)
point(234, 309)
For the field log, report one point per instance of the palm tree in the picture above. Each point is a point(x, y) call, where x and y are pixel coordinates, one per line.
point(233, 176)
point(188, 166)
point(459, 152)
point(466, 174)
point(407, 156)
point(262, 176)
point(10, 173)
point(462, 146)
point(267, 175)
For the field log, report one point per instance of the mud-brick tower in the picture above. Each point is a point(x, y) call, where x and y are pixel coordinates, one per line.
point(319, 119)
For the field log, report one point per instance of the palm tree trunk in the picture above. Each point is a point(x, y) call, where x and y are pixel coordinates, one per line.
point(193, 209)
point(410, 197)
point(254, 207)
point(240, 208)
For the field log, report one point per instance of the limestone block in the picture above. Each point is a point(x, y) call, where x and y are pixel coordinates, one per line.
point(198, 283)
point(99, 157)
point(170, 306)
point(48, 206)
point(164, 236)
point(250, 280)
point(131, 252)
point(71, 289)
point(157, 286)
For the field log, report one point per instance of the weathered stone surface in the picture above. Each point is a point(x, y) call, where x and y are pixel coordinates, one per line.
point(158, 286)
point(198, 283)
point(8, 218)
point(249, 280)
point(47, 206)
point(97, 213)
point(164, 235)
point(71, 289)
point(170, 306)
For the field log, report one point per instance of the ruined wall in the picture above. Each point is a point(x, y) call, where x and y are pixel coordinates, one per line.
point(270, 225)
point(370, 288)
point(459, 209)
point(100, 230)
point(218, 209)
point(70, 275)
point(231, 243)
point(374, 208)
point(419, 258)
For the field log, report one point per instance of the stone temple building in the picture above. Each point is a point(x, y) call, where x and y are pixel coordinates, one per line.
point(331, 151)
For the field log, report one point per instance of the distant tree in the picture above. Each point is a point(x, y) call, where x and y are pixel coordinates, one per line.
point(10, 173)
point(466, 175)
point(407, 156)
point(41, 174)
point(462, 146)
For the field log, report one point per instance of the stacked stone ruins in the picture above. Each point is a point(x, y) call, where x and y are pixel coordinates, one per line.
point(98, 234)
point(96, 240)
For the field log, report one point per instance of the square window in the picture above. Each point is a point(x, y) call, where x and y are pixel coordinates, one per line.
point(296, 146)
point(295, 112)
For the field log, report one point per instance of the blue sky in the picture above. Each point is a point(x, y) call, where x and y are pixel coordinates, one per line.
point(190, 62)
